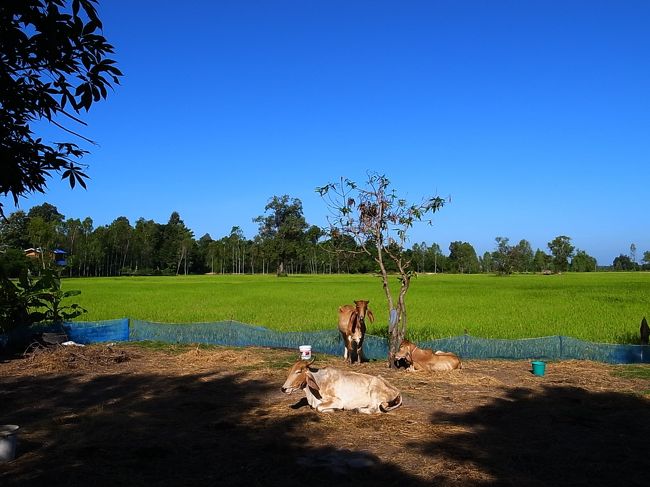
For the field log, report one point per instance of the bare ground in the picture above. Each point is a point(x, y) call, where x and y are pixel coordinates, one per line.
point(129, 415)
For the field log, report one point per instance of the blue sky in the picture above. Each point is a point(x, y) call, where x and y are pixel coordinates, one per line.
point(533, 116)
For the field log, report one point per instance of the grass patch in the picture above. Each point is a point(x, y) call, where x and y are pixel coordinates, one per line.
point(634, 372)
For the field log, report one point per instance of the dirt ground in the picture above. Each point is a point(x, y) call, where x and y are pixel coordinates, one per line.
point(129, 415)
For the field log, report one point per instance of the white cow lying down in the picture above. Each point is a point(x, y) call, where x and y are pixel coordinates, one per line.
point(328, 389)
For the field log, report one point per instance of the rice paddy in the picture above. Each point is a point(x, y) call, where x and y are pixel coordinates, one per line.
point(600, 307)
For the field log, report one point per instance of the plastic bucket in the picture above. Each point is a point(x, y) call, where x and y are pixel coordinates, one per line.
point(8, 433)
point(305, 352)
point(539, 367)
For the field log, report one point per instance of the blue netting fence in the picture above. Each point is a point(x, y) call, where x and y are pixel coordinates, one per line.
point(232, 333)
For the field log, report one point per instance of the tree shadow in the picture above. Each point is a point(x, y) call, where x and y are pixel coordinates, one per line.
point(564, 436)
point(147, 429)
point(230, 429)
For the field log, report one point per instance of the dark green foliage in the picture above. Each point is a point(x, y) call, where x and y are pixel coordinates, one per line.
point(283, 229)
point(150, 248)
point(562, 251)
point(462, 258)
point(13, 263)
point(28, 300)
point(53, 65)
point(583, 262)
point(624, 263)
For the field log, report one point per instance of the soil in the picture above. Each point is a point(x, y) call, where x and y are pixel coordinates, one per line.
point(132, 415)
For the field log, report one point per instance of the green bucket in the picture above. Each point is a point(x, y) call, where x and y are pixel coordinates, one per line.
point(539, 367)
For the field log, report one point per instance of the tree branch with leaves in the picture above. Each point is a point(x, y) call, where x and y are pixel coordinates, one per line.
point(53, 65)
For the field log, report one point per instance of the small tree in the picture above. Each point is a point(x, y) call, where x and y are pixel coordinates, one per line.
point(583, 262)
point(562, 251)
point(623, 263)
point(502, 256)
point(646, 259)
point(379, 222)
point(283, 228)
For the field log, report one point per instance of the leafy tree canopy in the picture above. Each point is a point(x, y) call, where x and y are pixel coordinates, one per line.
point(562, 250)
point(623, 263)
point(283, 228)
point(53, 66)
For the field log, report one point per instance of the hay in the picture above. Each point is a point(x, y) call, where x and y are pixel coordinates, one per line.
point(199, 358)
point(57, 358)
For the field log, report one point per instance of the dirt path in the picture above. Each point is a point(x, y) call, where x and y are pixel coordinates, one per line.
point(181, 416)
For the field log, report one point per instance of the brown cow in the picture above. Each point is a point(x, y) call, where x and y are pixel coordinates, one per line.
point(419, 359)
point(352, 325)
point(328, 389)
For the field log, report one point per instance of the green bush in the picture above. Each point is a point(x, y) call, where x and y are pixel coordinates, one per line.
point(27, 300)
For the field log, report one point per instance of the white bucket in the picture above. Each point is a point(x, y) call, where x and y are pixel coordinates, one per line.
point(305, 352)
point(8, 434)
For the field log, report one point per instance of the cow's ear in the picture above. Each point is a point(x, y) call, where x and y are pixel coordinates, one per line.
point(371, 316)
point(353, 323)
point(313, 386)
point(311, 382)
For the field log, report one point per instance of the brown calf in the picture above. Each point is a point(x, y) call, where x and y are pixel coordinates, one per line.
point(419, 359)
point(352, 325)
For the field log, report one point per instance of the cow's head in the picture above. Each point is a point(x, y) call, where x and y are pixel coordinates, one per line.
point(299, 377)
point(358, 318)
point(405, 350)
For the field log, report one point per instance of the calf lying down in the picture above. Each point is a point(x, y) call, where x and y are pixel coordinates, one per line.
point(421, 359)
point(328, 389)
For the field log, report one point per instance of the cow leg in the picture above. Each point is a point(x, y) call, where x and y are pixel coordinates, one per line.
point(345, 346)
point(329, 405)
point(368, 410)
point(352, 353)
point(350, 349)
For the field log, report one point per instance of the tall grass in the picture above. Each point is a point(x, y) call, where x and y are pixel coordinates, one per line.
point(603, 307)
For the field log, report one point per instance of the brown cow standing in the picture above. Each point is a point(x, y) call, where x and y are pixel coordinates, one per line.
point(352, 325)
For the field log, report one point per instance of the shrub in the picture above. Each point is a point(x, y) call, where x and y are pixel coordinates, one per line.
point(28, 300)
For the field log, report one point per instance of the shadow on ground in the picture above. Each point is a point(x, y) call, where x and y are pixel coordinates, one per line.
point(225, 429)
point(156, 430)
point(564, 436)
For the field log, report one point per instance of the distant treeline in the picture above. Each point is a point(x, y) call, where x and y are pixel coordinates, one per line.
point(285, 243)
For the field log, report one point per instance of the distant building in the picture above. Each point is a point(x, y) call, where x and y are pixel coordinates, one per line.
point(57, 255)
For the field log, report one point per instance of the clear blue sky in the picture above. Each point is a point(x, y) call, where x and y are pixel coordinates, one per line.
point(534, 116)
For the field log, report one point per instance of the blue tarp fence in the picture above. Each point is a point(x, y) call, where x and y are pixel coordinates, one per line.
point(233, 333)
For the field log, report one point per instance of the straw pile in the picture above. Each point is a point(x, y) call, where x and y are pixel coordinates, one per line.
point(50, 359)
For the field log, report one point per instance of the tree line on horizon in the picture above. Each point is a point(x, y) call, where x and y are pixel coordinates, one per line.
point(285, 244)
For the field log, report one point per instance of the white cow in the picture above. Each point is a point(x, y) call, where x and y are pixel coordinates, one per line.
point(328, 389)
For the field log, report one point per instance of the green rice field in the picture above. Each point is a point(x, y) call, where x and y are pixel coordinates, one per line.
point(600, 307)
